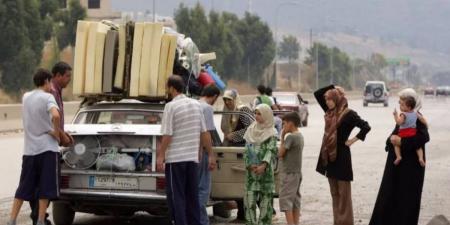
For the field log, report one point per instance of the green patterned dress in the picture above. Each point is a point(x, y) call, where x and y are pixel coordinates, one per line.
point(259, 187)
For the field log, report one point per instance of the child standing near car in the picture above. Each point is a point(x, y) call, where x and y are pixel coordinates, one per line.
point(290, 153)
point(40, 161)
point(407, 121)
point(259, 158)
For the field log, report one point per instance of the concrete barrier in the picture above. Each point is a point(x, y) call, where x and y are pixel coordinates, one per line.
point(11, 114)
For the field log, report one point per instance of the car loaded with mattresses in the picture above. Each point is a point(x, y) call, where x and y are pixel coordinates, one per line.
point(120, 72)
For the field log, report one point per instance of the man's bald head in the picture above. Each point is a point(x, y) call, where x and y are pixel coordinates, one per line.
point(176, 82)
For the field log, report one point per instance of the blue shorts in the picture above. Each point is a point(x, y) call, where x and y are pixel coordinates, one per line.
point(39, 178)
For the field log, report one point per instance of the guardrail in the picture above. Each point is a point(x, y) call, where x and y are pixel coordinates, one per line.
point(11, 114)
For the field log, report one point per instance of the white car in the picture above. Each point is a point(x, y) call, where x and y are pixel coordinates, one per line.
point(376, 92)
point(111, 169)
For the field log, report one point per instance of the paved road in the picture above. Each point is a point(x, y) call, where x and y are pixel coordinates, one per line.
point(368, 162)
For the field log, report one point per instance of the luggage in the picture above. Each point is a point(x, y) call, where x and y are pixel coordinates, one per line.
point(80, 57)
point(220, 84)
point(109, 60)
point(94, 58)
point(204, 79)
point(116, 162)
point(135, 60)
point(120, 66)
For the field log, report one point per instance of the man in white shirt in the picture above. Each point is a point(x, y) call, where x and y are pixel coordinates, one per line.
point(40, 160)
point(184, 131)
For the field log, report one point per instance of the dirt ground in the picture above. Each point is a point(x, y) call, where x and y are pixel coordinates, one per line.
point(368, 163)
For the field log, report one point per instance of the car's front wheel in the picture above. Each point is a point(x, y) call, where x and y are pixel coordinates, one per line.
point(63, 213)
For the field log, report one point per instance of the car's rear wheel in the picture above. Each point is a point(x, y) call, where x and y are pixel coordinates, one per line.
point(63, 213)
point(386, 104)
point(365, 104)
point(221, 209)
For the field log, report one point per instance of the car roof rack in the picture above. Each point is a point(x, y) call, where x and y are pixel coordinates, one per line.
point(91, 99)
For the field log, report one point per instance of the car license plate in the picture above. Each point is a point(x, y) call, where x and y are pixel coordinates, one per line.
point(113, 182)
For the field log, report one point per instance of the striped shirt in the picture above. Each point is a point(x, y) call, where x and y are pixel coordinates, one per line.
point(183, 120)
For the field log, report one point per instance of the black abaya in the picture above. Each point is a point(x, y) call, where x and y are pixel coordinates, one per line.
point(400, 194)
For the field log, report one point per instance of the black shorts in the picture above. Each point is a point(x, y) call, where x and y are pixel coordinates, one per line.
point(39, 178)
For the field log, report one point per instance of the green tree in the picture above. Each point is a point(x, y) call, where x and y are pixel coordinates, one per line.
point(48, 9)
point(340, 68)
point(243, 46)
point(193, 23)
point(27, 24)
point(258, 46)
point(34, 27)
point(289, 48)
point(370, 69)
point(21, 45)
point(224, 42)
point(67, 20)
point(333, 65)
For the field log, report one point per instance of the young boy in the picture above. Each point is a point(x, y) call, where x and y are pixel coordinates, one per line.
point(290, 153)
point(407, 121)
point(40, 162)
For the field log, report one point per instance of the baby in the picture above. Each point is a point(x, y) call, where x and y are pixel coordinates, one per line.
point(407, 121)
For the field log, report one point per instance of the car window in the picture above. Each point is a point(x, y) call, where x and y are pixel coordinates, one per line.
point(287, 99)
point(218, 115)
point(118, 117)
point(371, 87)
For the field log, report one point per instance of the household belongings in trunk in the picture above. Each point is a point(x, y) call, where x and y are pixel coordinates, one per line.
point(134, 60)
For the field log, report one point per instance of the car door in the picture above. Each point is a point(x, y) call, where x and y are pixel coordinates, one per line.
point(228, 179)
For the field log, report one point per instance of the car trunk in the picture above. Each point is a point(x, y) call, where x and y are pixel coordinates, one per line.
point(228, 179)
point(111, 157)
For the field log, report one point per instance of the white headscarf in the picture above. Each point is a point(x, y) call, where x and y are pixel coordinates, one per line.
point(259, 132)
point(409, 92)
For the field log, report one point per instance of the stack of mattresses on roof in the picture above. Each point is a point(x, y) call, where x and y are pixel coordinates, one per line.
point(132, 60)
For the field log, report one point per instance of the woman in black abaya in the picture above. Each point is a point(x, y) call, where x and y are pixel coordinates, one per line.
point(400, 194)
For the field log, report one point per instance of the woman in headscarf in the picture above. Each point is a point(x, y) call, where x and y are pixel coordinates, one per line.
point(259, 157)
point(234, 125)
point(335, 157)
point(400, 194)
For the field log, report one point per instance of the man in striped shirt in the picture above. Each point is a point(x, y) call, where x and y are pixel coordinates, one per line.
point(184, 132)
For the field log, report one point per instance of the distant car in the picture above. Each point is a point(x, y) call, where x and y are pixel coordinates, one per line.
point(376, 92)
point(293, 101)
point(443, 90)
point(429, 91)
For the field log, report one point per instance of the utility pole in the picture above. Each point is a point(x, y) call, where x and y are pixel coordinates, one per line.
point(352, 64)
point(331, 67)
point(299, 67)
point(248, 71)
point(317, 66)
point(277, 9)
point(249, 6)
